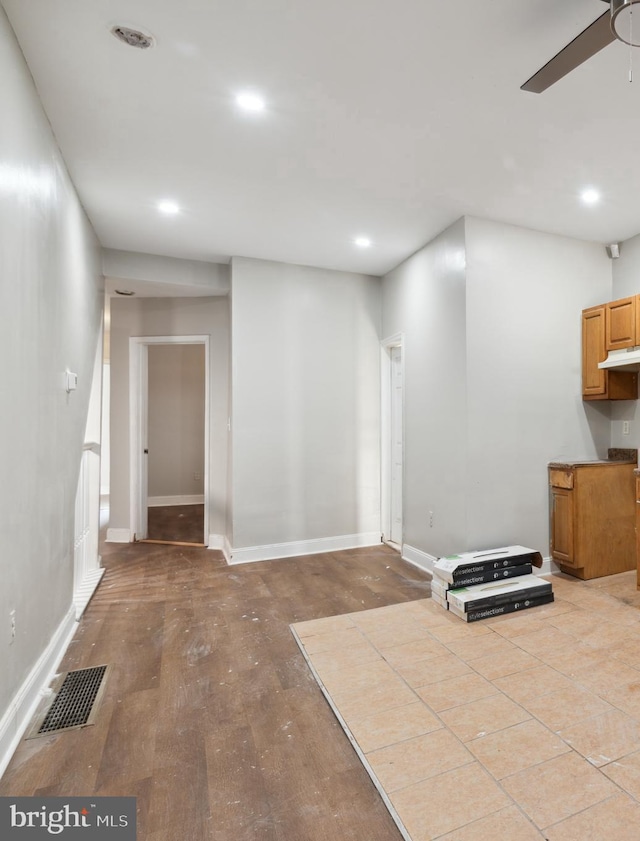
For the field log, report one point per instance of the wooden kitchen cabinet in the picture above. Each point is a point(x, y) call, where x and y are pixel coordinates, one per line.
point(620, 329)
point(593, 517)
point(599, 384)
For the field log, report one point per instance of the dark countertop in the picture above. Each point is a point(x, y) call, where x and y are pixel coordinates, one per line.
point(617, 455)
point(567, 465)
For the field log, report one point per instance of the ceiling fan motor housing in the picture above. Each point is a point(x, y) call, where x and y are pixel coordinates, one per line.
point(623, 25)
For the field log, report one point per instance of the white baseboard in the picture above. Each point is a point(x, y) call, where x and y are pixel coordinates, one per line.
point(221, 543)
point(83, 593)
point(21, 708)
point(185, 499)
point(425, 562)
point(273, 551)
point(118, 536)
point(420, 559)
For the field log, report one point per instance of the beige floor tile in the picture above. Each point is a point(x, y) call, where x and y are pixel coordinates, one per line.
point(471, 721)
point(459, 630)
point(617, 819)
point(511, 625)
point(571, 659)
point(377, 617)
point(357, 677)
point(606, 634)
point(471, 649)
point(506, 825)
point(335, 660)
point(331, 640)
point(547, 640)
point(452, 800)
point(387, 694)
point(566, 707)
point(457, 690)
point(423, 672)
point(398, 634)
point(412, 652)
point(407, 763)
point(516, 748)
point(603, 738)
point(322, 626)
point(500, 665)
point(607, 674)
point(625, 772)
point(628, 652)
point(532, 683)
point(558, 789)
point(625, 697)
point(392, 726)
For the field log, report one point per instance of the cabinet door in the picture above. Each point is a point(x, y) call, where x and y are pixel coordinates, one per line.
point(594, 380)
point(562, 526)
point(621, 324)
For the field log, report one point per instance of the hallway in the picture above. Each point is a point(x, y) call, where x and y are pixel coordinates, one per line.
point(211, 717)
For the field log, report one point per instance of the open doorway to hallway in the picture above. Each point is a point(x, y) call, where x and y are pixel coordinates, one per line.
point(169, 411)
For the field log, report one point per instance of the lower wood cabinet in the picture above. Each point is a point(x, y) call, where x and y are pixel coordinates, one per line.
point(593, 517)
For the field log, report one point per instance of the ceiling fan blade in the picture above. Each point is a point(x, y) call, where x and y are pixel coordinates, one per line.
point(583, 46)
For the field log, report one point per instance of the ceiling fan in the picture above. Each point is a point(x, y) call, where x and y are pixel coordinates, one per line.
point(614, 23)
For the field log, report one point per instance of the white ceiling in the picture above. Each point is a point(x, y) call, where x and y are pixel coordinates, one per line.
point(390, 118)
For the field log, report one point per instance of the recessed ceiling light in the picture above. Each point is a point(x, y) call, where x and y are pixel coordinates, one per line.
point(362, 242)
point(249, 101)
point(170, 208)
point(590, 196)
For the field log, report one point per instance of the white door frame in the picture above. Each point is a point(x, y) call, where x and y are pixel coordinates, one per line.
point(386, 345)
point(138, 426)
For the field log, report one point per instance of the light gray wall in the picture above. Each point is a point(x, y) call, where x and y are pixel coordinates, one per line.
point(306, 392)
point(525, 293)
point(491, 319)
point(626, 282)
point(169, 317)
point(50, 312)
point(167, 274)
point(424, 298)
point(176, 420)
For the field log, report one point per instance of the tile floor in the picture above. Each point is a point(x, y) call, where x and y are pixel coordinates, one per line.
point(524, 727)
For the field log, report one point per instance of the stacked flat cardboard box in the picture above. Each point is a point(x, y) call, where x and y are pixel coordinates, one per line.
point(480, 585)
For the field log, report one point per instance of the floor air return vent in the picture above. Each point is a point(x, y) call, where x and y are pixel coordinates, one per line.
point(74, 703)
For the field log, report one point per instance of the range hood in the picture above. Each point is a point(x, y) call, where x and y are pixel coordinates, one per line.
point(627, 359)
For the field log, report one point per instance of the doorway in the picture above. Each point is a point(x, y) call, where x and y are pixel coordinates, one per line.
point(392, 455)
point(169, 439)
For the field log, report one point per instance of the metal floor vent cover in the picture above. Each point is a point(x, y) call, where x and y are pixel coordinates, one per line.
point(74, 702)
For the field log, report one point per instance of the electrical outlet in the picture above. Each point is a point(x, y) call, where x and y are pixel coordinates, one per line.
point(625, 427)
point(12, 618)
point(430, 519)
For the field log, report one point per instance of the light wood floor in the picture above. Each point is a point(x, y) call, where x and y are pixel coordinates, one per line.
point(212, 717)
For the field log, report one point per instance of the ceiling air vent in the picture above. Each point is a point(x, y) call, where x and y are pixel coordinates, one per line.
point(132, 37)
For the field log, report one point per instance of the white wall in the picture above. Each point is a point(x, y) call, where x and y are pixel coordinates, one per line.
point(169, 275)
point(50, 311)
point(306, 413)
point(525, 293)
point(169, 317)
point(424, 298)
point(491, 318)
point(176, 420)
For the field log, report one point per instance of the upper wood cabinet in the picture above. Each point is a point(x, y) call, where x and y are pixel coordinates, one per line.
point(621, 323)
point(598, 384)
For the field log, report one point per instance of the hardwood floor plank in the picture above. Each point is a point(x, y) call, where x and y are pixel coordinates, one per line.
point(211, 716)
